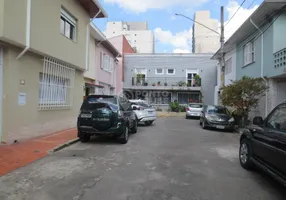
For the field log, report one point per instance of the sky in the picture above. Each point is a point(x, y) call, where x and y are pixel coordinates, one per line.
point(173, 34)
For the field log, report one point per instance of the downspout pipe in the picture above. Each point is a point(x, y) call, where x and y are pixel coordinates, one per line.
point(88, 39)
point(262, 64)
point(28, 30)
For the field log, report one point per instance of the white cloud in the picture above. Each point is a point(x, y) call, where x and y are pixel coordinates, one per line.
point(180, 40)
point(144, 5)
point(238, 19)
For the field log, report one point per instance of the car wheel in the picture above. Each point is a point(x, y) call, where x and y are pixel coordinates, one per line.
point(245, 154)
point(84, 137)
point(187, 117)
point(134, 129)
point(200, 122)
point(204, 124)
point(148, 123)
point(125, 136)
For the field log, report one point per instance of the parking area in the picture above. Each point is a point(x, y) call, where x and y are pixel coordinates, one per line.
point(173, 159)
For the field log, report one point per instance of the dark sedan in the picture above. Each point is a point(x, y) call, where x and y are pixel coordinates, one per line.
point(217, 117)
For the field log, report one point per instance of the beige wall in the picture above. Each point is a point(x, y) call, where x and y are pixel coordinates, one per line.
point(23, 122)
point(45, 28)
point(91, 73)
point(14, 21)
point(1, 17)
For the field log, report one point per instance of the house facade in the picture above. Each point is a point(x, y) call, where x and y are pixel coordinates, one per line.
point(43, 57)
point(164, 78)
point(123, 46)
point(260, 48)
point(104, 71)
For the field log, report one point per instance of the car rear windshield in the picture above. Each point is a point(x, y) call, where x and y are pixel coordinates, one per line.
point(144, 105)
point(195, 105)
point(218, 110)
point(90, 102)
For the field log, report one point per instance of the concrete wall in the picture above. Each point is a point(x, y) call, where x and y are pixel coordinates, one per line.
point(102, 75)
point(181, 62)
point(45, 28)
point(16, 124)
point(254, 69)
point(91, 73)
point(232, 75)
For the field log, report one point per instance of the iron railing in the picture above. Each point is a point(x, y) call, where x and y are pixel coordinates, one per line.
point(166, 81)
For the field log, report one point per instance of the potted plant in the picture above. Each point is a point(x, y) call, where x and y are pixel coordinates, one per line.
point(159, 83)
point(145, 83)
point(197, 80)
point(181, 83)
point(154, 84)
point(165, 84)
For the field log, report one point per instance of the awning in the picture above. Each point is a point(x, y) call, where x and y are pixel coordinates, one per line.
point(90, 85)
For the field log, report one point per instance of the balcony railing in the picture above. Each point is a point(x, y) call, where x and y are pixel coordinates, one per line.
point(166, 82)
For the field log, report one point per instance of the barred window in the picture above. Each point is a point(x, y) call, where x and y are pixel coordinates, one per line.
point(56, 84)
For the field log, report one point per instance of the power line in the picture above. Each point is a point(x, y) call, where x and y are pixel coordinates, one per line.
point(251, 4)
point(235, 12)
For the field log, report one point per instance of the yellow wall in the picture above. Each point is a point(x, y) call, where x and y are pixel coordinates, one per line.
point(23, 122)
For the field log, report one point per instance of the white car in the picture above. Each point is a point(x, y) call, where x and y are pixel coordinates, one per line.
point(144, 111)
point(194, 110)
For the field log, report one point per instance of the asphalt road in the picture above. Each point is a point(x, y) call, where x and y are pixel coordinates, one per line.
point(174, 159)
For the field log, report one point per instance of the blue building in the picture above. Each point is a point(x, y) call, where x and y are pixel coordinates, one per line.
point(259, 50)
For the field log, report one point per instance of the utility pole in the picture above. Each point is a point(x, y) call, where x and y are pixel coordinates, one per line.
point(222, 62)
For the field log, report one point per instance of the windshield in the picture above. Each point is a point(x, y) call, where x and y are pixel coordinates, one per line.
point(90, 102)
point(195, 105)
point(144, 105)
point(217, 110)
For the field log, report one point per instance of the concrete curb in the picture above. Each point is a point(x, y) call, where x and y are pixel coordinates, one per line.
point(64, 145)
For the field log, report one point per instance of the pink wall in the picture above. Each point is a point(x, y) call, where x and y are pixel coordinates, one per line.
point(102, 75)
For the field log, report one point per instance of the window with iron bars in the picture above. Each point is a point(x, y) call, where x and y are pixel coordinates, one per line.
point(56, 84)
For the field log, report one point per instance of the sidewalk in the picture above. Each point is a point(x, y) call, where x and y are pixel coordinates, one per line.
point(20, 154)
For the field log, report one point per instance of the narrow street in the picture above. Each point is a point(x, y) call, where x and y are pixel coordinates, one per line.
point(174, 159)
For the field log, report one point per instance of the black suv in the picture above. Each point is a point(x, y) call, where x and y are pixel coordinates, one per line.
point(106, 115)
point(264, 144)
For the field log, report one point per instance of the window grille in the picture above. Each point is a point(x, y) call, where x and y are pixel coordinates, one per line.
point(56, 84)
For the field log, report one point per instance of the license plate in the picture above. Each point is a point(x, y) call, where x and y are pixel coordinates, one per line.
point(150, 112)
point(85, 115)
point(220, 127)
point(101, 119)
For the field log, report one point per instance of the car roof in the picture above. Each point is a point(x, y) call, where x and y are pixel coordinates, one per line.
point(100, 95)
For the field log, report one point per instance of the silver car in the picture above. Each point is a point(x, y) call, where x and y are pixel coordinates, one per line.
point(194, 110)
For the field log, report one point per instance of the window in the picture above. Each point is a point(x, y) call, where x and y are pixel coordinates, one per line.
point(159, 71)
point(248, 51)
point(158, 97)
point(186, 97)
point(228, 66)
point(170, 71)
point(68, 25)
point(56, 84)
point(106, 62)
point(277, 120)
point(191, 79)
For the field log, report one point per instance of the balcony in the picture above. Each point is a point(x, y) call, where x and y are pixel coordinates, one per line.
point(165, 83)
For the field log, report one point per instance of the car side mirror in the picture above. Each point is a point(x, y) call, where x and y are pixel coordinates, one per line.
point(134, 108)
point(258, 121)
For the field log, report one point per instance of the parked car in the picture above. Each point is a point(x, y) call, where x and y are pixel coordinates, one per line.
point(263, 144)
point(106, 115)
point(194, 110)
point(145, 112)
point(217, 117)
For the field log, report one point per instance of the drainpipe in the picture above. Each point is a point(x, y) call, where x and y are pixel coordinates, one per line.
point(87, 41)
point(28, 30)
point(262, 64)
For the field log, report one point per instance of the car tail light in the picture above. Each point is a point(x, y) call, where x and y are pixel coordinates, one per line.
point(187, 108)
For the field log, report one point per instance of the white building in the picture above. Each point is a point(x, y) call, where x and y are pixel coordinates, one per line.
point(137, 34)
point(205, 40)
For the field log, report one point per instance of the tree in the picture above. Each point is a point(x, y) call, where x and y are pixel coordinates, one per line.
point(243, 95)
